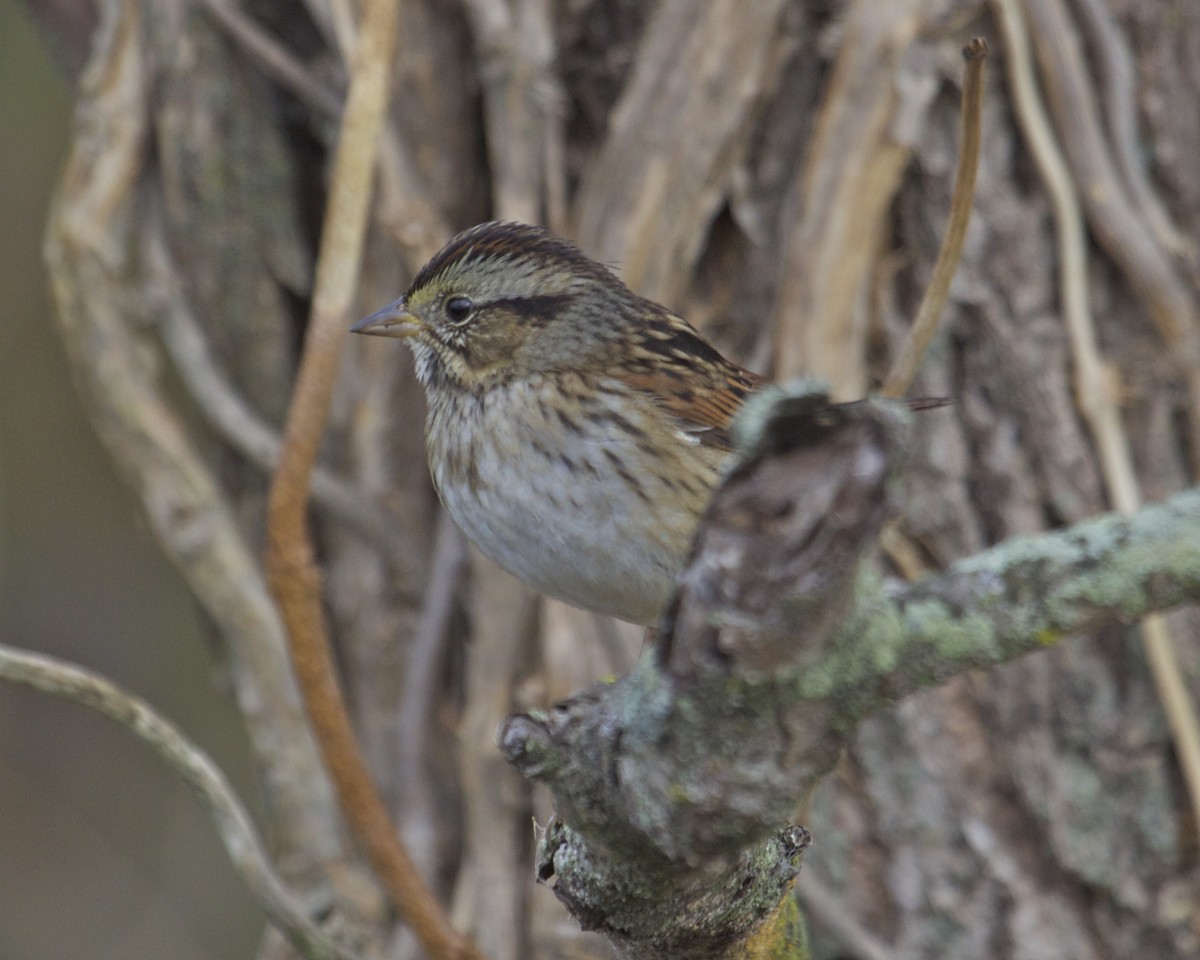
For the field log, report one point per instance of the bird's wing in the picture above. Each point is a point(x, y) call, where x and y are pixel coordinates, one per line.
point(690, 381)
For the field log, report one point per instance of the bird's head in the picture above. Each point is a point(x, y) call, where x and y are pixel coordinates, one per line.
point(501, 301)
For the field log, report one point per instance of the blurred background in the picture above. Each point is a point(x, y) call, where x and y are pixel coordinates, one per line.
point(103, 854)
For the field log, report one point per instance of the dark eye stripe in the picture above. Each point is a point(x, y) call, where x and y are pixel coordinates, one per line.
point(539, 309)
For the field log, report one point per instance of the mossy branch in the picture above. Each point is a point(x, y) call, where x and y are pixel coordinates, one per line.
point(783, 637)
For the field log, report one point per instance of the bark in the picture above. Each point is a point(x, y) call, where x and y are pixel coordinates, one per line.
point(778, 172)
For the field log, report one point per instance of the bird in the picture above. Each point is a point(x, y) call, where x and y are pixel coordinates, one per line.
point(575, 431)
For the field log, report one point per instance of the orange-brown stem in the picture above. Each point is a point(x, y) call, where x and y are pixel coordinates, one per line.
point(904, 369)
point(292, 572)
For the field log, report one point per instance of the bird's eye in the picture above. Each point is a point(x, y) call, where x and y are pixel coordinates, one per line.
point(458, 309)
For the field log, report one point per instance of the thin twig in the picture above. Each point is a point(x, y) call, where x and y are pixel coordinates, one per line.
point(274, 58)
point(429, 643)
point(1117, 62)
point(202, 776)
point(340, 14)
point(903, 552)
point(291, 569)
point(1093, 385)
point(426, 656)
point(233, 419)
point(321, 15)
point(904, 369)
point(1115, 219)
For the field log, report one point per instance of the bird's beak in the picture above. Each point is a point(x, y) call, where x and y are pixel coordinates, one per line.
point(394, 320)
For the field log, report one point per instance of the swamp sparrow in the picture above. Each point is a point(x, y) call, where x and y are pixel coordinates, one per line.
point(575, 430)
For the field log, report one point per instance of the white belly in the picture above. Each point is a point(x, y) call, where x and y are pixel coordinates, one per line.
point(554, 508)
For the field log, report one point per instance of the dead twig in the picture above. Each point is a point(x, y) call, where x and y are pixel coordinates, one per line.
point(426, 656)
point(1094, 386)
point(1117, 222)
point(1117, 65)
point(228, 413)
point(291, 569)
point(445, 575)
point(203, 777)
point(904, 368)
point(274, 58)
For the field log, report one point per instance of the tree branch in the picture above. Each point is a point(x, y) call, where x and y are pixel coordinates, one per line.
point(1029, 593)
point(782, 637)
point(203, 777)
point(274, 58)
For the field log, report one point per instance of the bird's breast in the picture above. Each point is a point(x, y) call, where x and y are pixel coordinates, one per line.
point(582, 490)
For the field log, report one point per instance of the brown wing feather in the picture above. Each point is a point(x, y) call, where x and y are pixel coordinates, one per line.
point(692, 383)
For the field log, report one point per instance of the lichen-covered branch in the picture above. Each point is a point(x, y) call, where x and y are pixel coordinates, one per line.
point(783, 638)
point(660, 818)
point(1031, 592)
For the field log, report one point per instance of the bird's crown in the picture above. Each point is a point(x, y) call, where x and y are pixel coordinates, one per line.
point(516, 255)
